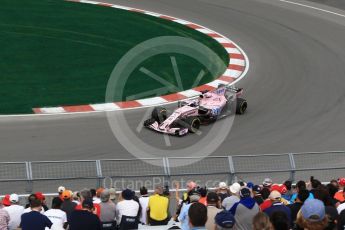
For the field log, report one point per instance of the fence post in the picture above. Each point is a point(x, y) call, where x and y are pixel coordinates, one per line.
point(292, 166)
point(29, 185)
point(166, 166)
point(232, 169)
point(99, 173)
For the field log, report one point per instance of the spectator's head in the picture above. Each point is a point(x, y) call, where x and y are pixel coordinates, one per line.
point(76, 195)
point(265, 192)
point(224, 220)
point(31, 197)
point(6, 200)
point(14, 198)
point(40, 196)
point(288, 184)
point(197, 214)
point(159, 190)
point(112, 192)
point(203, 191)
point(280, 220)
point(335, 183)
point(87, 204)
point(245, 193)
point(301, 185)
point(341, 182)
point(257, 190)
point(194, 195)
point(61, 189)
point(105, 196)
point(314, 183)
point(312, 215)
point(143, 191)
point(267, 182)
point(93, 192)
point(56, 203)
point(66, 195)
point(212, 198)
point(332, 189)
point(127, 194)
point(323, 195)
point(85, 194)
point(250, 185)
point(275, 196)
point(262, 222)
point(36, 204)
point(191, 185)
point(235, 188)
point(222, 186)
point(302, 195)
point(99, 191)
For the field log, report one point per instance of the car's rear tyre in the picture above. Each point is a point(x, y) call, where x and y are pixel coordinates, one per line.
point(159, 114)
point(241, 106)
point(149, 122)
point(193, 124)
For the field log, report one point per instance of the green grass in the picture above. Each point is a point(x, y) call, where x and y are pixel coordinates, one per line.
point(62, 53)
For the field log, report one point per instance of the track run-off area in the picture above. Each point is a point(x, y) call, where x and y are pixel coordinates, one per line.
point(294, 87)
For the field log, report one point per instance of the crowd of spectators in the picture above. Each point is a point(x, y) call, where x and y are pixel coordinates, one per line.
point(242, 205)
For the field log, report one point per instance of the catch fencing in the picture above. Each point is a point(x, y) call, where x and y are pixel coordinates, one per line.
point(46, 176)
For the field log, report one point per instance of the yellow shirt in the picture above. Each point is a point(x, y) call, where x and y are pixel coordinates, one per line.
point(158, 206)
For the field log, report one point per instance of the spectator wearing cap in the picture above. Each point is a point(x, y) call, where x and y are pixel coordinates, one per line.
point(158, 208)
point(67, 205)
point(144, 202)
point(277, 205)
point(203, 195)
point(56, 215)
point(197, 216)
point(32, 199)
point(42, 198)
point(224, 220)
point(340, 194)
point(6, 200)
point(223, 191)
point(15, 211)
point(267, 183)
point(60, 191)
point(300, 185)
point(34, 219)
point(86, 194)
point(235, 189)
point(257, 194)
point(244, 210)
point(108, 208)
point(194, 197)
point(228, 202)
point(312, 215)
point(295, 207)
point(262, 222)
point(213, 207)
point(4, 218)
point(85, 219)
point(112, 193)
point(126, 206)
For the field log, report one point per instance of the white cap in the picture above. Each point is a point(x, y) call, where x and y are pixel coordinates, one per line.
point(223, 185)
point(61, 189)
point(14, 198)
point(235, 188)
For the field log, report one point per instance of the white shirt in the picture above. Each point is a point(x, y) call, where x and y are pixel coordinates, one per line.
point(96, 200)
point(29, 210)
point(127, 208)
point(15, 212)
point(57, 217)
point(341, 207)
point(144, 202)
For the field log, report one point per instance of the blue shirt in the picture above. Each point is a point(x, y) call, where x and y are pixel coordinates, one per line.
point(294, 196)
point(183, 217)
point(34, 221)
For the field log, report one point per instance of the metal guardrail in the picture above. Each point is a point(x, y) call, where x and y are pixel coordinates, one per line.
point(46, 176)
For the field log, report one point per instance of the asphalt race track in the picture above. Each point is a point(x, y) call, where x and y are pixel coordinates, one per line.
point(295, 87)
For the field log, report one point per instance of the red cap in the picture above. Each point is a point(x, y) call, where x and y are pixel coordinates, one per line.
point(6, 200)
point(275, 187)
point(40, 196)
point(283, 189)
point(341, 181)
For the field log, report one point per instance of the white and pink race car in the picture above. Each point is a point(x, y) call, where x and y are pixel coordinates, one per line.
point(190, 114)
